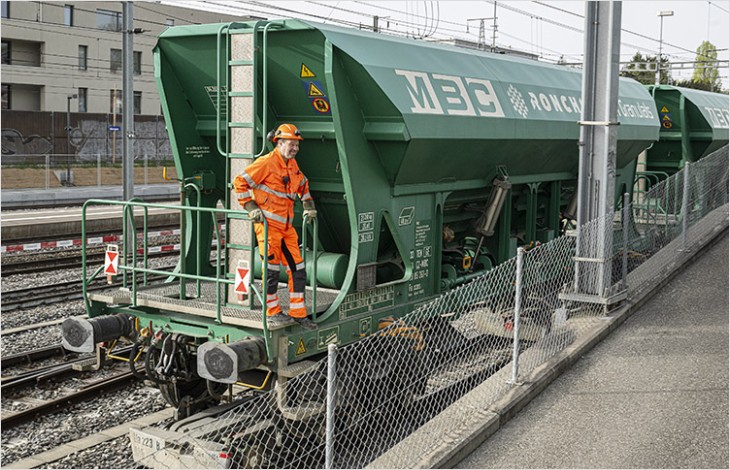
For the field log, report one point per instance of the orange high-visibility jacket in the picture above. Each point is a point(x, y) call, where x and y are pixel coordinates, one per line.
point(273, 183)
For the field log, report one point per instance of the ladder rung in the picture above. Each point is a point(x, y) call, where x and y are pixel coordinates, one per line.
point(240, 93)
point(240, 155)
point(240, 124)
point(240, 62)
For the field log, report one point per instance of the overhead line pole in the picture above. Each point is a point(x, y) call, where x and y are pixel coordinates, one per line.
point(128, 120)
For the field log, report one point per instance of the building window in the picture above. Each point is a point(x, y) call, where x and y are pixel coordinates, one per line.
point(137, 102)
point(137, 63)
point(109, 20)
point(115, 101)
point(170, 22)
point(6, 53)
point(68, 15)
point(6, 14)
point(6, 96)
point(115, 60)
point(83, 103)
point(83, 57)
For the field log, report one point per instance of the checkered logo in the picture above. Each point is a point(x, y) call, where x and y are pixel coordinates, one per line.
point(518, 103)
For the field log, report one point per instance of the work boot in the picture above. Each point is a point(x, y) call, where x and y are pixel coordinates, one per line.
point(306, 323)
point(278, 320)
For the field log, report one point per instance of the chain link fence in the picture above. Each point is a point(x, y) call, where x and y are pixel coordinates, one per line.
point(491, 333)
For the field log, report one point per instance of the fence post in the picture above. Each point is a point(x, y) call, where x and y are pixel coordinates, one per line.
point(518, 307)
point(48, 171)
point(331, 403)
point(98, 169)
point(625, 257)
point(685, 206)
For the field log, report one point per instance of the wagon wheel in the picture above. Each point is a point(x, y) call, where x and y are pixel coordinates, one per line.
point(185, 396)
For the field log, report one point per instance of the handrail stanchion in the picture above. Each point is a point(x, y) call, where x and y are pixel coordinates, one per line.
point(218, 89)
point(85, 281)
point(315, 239)
point(264, 291)
point(129, 211)
point(183, 241)
point(217, 269)
point(265, 81)
point(305, 230)
point(197, 232)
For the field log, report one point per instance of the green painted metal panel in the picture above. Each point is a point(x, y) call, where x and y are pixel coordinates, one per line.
point(480, 109)
point(694, 123)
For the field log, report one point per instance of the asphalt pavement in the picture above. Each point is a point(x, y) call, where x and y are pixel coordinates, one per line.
point(653, 394)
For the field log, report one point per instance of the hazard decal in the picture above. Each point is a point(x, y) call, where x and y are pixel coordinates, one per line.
point(321, 105)
point(305, 72)
point(665, 118)
point(314, 91)
point(301, 349)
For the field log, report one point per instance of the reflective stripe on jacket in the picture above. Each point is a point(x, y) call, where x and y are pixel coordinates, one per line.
point(273, 183)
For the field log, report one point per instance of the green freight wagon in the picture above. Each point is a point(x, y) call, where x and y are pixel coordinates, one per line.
point(694, 123)
point(429, 165)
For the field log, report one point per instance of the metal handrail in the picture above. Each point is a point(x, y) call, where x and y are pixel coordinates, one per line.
point(314, 258)
point(127, 206)
point(264, 105)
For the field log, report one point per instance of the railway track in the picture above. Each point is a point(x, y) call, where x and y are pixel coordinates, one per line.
point(58, 292)
point(72, 366)
point(89, 392)
point(61, 260)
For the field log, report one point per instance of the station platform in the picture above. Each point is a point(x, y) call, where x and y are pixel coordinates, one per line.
point(41, 224)
point(35, 215)
point(27, 198)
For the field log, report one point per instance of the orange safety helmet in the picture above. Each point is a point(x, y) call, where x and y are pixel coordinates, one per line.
point(286, 131)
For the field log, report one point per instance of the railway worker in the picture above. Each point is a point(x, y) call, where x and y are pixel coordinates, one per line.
point(267, 189)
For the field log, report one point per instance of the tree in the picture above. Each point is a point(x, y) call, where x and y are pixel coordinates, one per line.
point(706, 67)
point(695, 84)
point(642, 69)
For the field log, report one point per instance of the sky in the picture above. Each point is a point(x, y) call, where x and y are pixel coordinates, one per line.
point(550, 29)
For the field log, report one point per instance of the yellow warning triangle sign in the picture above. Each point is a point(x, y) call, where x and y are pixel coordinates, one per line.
point(666, 118)
point(314, 91)
point(301, 349)
point(664, 109)
point(306, 73)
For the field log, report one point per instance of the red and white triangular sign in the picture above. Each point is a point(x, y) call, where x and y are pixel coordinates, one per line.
point(111, 260)
point(243, 277)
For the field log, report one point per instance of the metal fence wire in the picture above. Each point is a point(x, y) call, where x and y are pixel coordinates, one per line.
point(390, 384)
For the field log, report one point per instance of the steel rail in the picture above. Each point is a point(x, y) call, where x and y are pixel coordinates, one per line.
point(106, 385)
point(31, 356)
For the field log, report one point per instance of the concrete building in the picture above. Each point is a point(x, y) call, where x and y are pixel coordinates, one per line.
point(54, 50)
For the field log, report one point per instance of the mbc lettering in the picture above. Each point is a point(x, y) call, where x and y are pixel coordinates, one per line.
point(449, 94)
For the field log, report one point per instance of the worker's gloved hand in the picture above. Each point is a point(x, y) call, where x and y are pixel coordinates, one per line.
point(256, 215)
point(310, 215)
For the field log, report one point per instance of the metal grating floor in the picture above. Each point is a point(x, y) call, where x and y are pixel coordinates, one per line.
point(167, 297)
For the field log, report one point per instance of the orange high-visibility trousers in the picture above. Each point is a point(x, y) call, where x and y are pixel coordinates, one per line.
point(283, 249)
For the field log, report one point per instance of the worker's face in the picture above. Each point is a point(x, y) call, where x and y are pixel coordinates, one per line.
point(288, 148)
